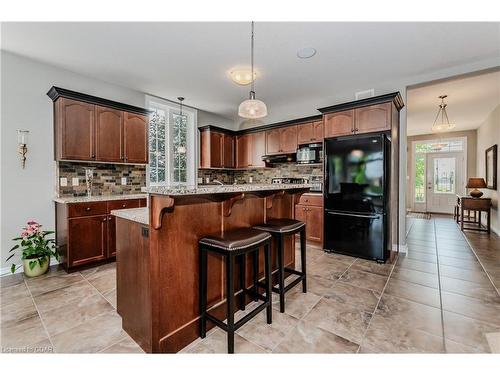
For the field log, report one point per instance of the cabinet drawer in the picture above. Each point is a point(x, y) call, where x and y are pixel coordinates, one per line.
point(123, 204)
point(87, 209)
point(311, 200)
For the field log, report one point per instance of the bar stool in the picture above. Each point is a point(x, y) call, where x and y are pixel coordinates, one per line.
point(231, 245)
point(279, 228)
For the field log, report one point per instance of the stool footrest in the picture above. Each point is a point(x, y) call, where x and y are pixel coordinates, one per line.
point(240, 322)
point(295, 272)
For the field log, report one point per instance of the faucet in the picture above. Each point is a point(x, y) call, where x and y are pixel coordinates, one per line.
point(218, 182)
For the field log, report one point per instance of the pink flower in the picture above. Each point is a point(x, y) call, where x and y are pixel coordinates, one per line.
point(24, 234)
point(32, 222)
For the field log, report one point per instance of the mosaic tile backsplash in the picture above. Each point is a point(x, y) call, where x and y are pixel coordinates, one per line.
point(262, 175)
point(107, 178)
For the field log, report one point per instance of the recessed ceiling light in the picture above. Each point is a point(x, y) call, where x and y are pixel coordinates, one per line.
point(242, 76)
point(306, 53)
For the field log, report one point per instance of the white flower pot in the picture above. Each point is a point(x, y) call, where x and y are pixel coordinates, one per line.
point(37, 270)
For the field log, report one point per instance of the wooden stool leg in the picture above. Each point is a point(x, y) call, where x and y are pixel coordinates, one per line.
point(488, 217)
point(230, 302)
point(255, 259)
point(303, 248)
point(462, 218)
point(203, 292)
point(281, 271)
point(479, 218)
point(243, 265)
point(268, 278)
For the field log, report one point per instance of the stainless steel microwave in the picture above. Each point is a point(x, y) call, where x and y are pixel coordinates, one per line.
point(310, 154)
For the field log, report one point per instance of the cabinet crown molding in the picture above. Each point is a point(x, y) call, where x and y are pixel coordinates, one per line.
point(394, 97)
point(57, 92)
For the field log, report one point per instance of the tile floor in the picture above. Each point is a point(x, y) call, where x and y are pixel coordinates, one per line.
point(437, 298)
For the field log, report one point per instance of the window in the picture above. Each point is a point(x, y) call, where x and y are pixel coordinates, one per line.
point(172, 144)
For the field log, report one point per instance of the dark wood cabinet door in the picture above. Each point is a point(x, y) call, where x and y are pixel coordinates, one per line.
point(75, 122)
point(314, 225)
point(305, 133)
point(289, 139)
point(257, 149)
point(216, 152)
point(111, 248)
point(300, 213)
point(135, 134)
point(318, 130)
point(339, 123)
point(242, 151)
point(87, 239)
point(373, 118)
point(109, 134)
point(273, 141)
point(228, 151)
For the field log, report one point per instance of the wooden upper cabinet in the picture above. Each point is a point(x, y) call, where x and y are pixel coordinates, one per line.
point(243, 159)
point(373, 118)
point(74, 121)
point(135, 142)
point(310, 132)
point(273, 142)
point(289, 139)
point(228, 151)
point(339, 123)
point(109, 134)
point(257, 149)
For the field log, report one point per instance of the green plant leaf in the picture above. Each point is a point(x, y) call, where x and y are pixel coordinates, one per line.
point(11, 255)
point(14, 248)
point(13, 268)
point(32, 264)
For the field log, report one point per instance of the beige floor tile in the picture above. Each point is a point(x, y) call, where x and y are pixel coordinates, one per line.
point(478, 277)
point(413, 292)
point(472, 265)
point(417, 265)
point(22, 308)
point(328, 270)
point(65, 317)
point(268, 336)
point(12, 293)
point(21, 333)
point(216, 343)
point(320, 286)
point(467, 331)
point(103, 281)
point(365, 280)
point(453, 347)
point(91, 336)
point(306, 338)
point(471, 307)
point(52, 281)
point(11, 280)
point(347, 321)
point(494, 341)
point(99, 269)
point(73, 293)
point(364, 299)
point(111, 297)
point(416, 277)
point(297, 304)
point(334, 257)
point(388, 335)
point(125, 346)
point(423, 257)
point(481, 291)
point(416, 315)
point(373, 267)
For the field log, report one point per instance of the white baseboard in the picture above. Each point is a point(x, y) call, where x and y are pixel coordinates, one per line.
point(5, 271)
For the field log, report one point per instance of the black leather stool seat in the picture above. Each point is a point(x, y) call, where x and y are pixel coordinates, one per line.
point(281, 226)
point(236, 239)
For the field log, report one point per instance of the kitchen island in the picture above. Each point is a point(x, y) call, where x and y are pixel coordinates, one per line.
point(158, 260)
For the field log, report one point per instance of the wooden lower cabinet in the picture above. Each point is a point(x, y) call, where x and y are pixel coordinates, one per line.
point(86, 232)
point(310, 211)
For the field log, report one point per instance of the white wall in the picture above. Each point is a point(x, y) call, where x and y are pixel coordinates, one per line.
point(26, 193)
point(488, 134)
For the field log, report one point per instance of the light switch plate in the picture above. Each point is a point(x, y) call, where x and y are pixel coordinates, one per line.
point(124, 180)
point(75, 181)
point(200, 180)
point(63, 181)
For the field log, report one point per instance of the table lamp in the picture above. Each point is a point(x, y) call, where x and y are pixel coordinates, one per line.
point(476, 183)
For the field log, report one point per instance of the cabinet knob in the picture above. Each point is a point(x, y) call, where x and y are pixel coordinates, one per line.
point(93, 156)
point(105, 219)
point(87, 208)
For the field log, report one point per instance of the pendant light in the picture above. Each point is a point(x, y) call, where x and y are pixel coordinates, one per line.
point(441, 122)
point(252, 108)
point(181, 149)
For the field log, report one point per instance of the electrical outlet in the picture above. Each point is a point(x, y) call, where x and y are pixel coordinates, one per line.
point(63, 181)
point(124, 180)
point(75, 181)
point(207, 180)
point(200, 180)
point(250, 180)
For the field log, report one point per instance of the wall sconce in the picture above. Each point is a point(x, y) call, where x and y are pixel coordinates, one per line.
point(22, 142)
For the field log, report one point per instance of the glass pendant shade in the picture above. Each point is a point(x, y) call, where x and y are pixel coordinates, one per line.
point(252, 108)
point(441, 122)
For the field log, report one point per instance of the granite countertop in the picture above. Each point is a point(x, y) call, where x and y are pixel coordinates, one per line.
point(220, 189)
point(139, 215)
point(97, 198)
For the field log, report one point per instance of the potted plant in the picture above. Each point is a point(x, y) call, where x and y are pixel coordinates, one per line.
point(36, 249)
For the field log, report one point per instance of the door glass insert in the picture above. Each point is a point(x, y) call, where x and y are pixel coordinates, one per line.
point(444, 175)
point(420, 178)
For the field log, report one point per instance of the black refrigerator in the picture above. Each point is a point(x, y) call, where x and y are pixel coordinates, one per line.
point(356, 195)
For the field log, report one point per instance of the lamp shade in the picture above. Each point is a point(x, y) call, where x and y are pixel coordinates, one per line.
point(252, 108)
point(476, 183)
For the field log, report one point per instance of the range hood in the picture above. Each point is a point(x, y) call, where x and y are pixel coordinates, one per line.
point(279, 159)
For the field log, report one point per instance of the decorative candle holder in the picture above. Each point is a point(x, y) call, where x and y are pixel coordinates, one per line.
point(89, 178)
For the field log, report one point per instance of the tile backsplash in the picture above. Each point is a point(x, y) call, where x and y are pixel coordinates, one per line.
point(262, 175)
point(107, 178)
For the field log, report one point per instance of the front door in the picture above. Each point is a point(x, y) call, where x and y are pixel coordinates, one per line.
point(445, 179)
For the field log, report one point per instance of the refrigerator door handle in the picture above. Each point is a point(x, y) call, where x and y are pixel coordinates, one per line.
point(354, 215)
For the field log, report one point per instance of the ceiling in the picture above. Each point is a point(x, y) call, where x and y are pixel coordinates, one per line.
point(470, 100)
point(192, 59)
